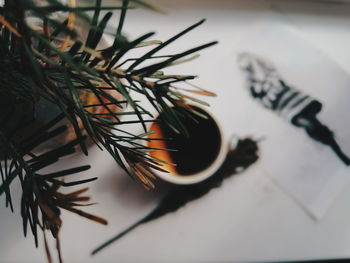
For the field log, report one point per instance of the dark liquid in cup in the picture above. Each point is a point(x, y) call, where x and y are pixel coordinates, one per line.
point(194, 153)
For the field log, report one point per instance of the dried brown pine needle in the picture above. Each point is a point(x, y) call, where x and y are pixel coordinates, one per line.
point(202, 92)
point(10, 27)
point(86, 215)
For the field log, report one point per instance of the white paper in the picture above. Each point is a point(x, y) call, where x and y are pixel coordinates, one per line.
point(307, 170)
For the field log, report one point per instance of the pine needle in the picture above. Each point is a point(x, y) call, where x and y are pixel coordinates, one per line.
point(10, 27)
point(70, 24)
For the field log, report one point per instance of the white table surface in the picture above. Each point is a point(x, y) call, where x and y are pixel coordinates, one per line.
point(249, 217)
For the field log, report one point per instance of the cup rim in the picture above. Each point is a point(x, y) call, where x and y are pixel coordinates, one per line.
point(207, 172)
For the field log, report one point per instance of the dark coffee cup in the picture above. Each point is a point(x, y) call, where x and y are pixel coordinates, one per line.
point(192, 158)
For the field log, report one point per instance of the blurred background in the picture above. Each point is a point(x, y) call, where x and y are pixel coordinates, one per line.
point(252, 216)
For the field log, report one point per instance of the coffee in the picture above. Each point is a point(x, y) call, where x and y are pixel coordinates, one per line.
point(193, 153)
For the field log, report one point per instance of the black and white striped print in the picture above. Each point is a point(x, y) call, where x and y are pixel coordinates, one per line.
point(266, 86)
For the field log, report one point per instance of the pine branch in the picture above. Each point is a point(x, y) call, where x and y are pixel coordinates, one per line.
point(88, 87)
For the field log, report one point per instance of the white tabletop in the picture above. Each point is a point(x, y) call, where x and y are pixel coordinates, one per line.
point(248, 217)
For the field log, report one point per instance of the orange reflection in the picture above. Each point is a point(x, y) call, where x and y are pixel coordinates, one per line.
point(161, 144)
